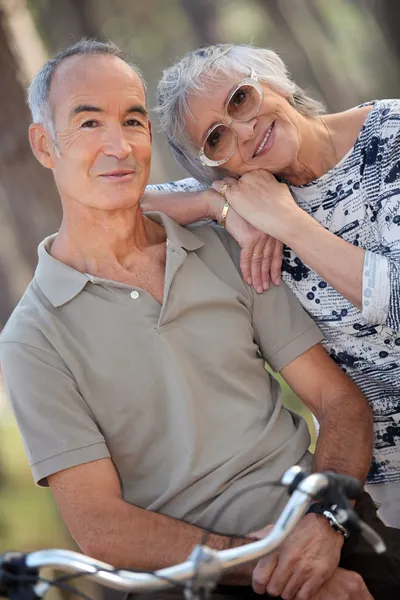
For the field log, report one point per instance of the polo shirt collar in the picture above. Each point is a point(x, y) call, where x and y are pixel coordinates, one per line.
point(60, 283)
point(176, 234)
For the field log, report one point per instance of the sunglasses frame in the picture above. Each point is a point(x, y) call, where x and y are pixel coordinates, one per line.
point(251, 81)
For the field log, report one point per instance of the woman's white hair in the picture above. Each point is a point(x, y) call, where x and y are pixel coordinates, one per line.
point(204, 69)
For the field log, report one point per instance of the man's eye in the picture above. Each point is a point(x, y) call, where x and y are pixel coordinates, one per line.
point(89, 124)
point(134, 123)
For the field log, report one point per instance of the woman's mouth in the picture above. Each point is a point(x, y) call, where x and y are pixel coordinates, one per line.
point(264, 146)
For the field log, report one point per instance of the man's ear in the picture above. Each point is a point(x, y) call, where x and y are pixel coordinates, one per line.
point(42, 145)
point(151, 132)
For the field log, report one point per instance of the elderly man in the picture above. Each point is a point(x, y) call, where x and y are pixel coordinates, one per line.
point(135, 360)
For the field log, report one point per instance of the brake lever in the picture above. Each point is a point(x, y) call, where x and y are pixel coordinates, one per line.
point(17, 581)
point(350, 519)
point(339, 504)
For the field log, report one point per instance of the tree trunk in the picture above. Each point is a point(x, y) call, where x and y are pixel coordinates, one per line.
point(305, 30)
point(29, 205)
point(387, 13)
point(203, 17)
point(64, 22)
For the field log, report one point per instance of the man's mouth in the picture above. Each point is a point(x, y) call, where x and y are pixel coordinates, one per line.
point(118, 174)
point(264, 140)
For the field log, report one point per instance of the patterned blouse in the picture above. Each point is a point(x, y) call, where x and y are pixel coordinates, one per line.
point(359, 200)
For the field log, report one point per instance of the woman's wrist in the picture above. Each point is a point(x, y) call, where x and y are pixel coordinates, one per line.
point(213, 203)
point(296, 224)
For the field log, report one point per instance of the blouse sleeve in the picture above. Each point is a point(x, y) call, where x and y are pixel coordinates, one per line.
point(381, 273)
point(183, 185)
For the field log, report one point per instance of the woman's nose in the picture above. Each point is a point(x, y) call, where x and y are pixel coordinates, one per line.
point(245, 130)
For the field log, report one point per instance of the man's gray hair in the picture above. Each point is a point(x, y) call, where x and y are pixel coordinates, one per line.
point(39, 90)
point(204, 69)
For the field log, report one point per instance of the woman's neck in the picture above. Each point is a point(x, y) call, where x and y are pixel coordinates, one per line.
point(324, 141)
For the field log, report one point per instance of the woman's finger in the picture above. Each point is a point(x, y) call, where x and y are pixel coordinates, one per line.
point(245, 263)
point(276, 263)
point(257, 260)
point(223, 185)
point(266, 261)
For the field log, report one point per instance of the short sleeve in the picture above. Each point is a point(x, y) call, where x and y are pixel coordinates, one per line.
point(283, 330)
point(56, 424)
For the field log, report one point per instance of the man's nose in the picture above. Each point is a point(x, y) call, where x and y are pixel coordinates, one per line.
point(116, 143)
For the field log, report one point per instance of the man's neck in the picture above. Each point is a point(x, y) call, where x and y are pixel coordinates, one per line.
point(98, 241)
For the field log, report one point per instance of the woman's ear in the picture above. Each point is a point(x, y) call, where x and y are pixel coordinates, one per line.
point(42, 145)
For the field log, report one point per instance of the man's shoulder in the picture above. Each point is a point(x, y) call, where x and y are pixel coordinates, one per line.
point(217, 239)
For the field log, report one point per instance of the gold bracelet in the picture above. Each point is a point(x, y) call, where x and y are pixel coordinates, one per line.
point(222, 219)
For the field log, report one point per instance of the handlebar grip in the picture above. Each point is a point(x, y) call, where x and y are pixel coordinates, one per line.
point(12, 566)
point(351, 486)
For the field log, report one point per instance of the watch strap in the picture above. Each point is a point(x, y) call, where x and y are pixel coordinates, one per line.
point(320, 509)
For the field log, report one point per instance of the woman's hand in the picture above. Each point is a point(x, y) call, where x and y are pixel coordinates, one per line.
point(264, 202)
point(260, 256)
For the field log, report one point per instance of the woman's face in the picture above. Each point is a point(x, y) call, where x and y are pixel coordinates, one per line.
point(270, 140)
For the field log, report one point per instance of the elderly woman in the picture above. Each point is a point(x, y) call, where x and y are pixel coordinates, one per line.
point(328, 188)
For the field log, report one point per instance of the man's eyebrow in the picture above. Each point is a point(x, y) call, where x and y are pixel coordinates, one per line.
point(80, 108)
point(138, 108)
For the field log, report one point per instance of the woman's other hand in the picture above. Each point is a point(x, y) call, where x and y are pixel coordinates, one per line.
point(260, 255)
point(264, 202)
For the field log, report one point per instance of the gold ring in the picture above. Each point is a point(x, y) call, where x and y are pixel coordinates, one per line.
point(258, 254)
point(224, 188)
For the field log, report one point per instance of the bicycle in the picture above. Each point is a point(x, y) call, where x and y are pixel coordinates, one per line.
point(20, 573)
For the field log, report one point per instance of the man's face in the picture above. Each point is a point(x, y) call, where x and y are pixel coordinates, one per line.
point(102, 131)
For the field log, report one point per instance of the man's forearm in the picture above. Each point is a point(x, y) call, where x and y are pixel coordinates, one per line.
point(130, 537)
point(345, 439)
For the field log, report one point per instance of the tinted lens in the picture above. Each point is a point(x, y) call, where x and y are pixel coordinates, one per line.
point(220, 143)
point(244, 104)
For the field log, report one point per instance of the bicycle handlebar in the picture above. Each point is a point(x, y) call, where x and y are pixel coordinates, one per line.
point(205, 565)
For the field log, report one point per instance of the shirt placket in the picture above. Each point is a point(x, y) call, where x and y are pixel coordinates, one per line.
point(176, 256)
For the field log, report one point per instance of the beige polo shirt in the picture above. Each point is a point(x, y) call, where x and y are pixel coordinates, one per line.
point(176, 394)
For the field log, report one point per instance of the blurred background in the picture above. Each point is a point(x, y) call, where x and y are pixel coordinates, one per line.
point(343, 51)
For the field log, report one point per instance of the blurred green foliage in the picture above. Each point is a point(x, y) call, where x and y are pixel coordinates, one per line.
point(28, 516)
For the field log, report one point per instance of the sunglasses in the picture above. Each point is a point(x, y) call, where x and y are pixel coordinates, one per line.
point(242, 104)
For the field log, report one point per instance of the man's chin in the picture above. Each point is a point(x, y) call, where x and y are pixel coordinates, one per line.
point(119, 201)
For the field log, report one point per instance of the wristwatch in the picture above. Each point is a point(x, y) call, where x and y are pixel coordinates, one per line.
point(320, 509)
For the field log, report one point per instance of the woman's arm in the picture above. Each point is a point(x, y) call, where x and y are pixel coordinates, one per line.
point(188, 201)
point(338, 262)
point(369, 280)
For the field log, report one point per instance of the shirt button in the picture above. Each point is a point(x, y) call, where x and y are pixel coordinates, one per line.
point(134, 295)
